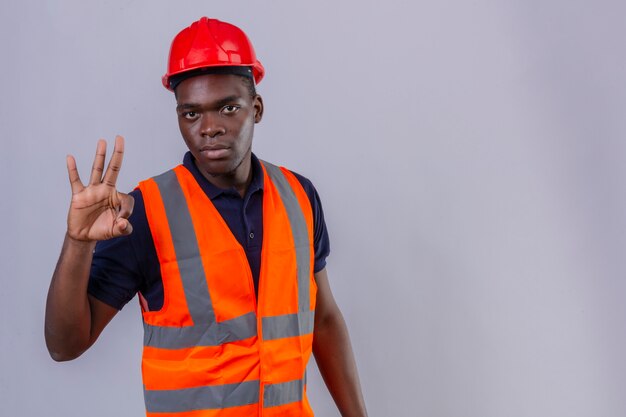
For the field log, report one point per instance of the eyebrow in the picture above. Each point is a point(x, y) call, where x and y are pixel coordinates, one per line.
point(186, 106)
point(219, 103)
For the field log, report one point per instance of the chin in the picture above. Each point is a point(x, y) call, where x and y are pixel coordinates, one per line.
point(217, 168)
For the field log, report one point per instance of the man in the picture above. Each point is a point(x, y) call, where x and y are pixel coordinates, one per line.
point(226, 252)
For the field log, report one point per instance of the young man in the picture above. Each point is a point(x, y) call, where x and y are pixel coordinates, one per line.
point(226, 252)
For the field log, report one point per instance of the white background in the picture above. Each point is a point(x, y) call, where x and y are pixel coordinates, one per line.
point(470, 156)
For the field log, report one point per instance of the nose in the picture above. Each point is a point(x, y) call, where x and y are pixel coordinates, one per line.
point(211, 126)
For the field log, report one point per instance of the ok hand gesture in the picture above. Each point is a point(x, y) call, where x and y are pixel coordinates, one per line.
point(98, 211)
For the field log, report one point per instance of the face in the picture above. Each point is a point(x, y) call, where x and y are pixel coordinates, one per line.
point(216, 117)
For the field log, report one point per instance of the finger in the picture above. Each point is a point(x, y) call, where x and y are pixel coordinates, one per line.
point(98, 163)
point(127, 202)
point(122, 227)
point(72, 172)
point(115, 164)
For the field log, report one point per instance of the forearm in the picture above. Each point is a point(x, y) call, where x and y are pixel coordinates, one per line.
point(97, 212)
point(68, 313)
point(335, 360)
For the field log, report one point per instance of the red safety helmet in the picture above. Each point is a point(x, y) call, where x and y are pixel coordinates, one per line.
point(211, 43)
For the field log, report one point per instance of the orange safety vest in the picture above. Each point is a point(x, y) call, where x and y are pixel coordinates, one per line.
point(212, 349)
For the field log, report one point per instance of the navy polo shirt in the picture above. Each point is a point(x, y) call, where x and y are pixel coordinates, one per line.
point(123, 266)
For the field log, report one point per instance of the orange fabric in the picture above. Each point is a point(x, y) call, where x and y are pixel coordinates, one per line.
point(195, 367)
point(281, 366)
point(223, 256)
point(173, 294)
point(277, 245)
point(231, 288)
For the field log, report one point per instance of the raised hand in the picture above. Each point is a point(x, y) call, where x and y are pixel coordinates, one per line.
point(98, 211)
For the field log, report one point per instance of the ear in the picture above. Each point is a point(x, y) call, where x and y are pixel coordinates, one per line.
point(258, 108)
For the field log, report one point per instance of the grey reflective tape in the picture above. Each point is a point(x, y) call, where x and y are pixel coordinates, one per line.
point(283, 393)
point(288, 325)
point(186, 248)
point(299, 231)
point(202, 398)
point(212, 334)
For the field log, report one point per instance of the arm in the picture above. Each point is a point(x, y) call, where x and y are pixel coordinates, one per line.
point(333, 352)
point(97, 212)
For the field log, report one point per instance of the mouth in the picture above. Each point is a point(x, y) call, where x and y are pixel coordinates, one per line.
point(215, 151)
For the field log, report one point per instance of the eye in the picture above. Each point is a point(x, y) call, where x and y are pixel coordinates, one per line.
point(190, 115)
point(229, 109)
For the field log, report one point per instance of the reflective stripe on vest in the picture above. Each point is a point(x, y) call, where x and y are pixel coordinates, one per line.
point(283, 393)
point(206, 331)
point(202, 398)
point(223, 396)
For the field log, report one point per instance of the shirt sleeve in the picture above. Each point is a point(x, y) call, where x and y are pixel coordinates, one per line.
point(320, 232)
point(122, 266)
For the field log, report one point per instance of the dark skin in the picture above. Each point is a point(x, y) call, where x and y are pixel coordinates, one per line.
point(216, 116)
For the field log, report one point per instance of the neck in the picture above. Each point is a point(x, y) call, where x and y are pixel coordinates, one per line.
point(239, 179)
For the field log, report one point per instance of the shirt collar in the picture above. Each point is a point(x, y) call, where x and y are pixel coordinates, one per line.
point(213, 191)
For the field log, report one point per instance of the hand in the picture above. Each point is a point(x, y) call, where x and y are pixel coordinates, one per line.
point(98, 211)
